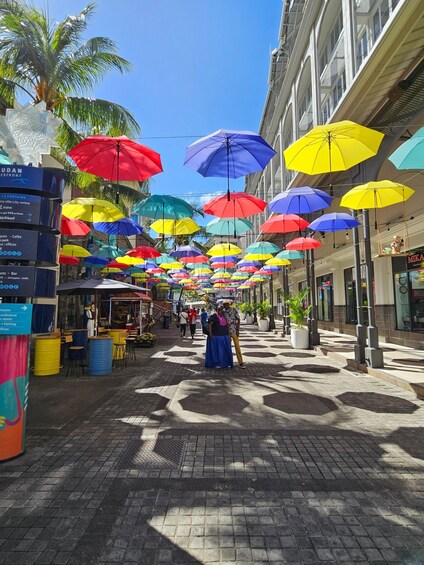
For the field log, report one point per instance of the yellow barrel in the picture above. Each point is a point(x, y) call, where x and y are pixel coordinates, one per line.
point(47, 355)
point(118, 336)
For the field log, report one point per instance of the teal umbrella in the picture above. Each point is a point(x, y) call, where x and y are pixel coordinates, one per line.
point(262, 248)
point(289, 254)
point(410, 155)
point(110, 252)
point(228, 226)
point(165, 207)
point(4, 157)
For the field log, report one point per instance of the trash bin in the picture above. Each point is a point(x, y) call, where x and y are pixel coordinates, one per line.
point(165, 322)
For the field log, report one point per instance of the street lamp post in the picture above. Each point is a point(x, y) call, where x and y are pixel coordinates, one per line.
point(361, 340)
point(271, 301)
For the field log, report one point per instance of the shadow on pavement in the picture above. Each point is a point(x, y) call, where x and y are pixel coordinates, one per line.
point(324, 369)
point(214, 403)
point(300, 403)
point(378, 403)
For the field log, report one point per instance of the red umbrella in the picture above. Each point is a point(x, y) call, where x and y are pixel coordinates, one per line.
point(222, 265)
point(116, 158)
point(155, 271)
point(284, 223)
point(238, 205)
point(116, 265)
point(73, 227)
point(144, 251)
point(68, 260)
point(303, 243)
point(197, 259)
point(248, 269)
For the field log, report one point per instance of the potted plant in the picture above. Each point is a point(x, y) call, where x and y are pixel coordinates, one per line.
point(262, 311)
point(145, 340)
point(249, 313)
point(298, 312)
point(243, 312)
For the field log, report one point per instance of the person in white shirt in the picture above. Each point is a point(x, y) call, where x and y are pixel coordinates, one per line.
point(183, 323)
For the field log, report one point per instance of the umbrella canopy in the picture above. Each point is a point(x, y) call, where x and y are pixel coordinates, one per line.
point(290, 254)
point(332, 147)
point(262, 248)
point(201, 271)
point(197, 265)
point(269, 270)
point(74, 251)
point(284, 223)
point(127, 260)
point(224, 249)
point(144, 251)
point(223, 265)
point(92, 210)
point(109, 251)
point(116, 158)
point(68, 260)
point(194, 259)
point(277, 262)
point(94, 285)
point(69, 226)
point(126, 226)
point(224, 258)
point(219, 226)
point(410, 155)
point(228, 154)
point(248, 269)
point(96, 261)
point(165, 207)
point(334, 222)
point(116, 265)
point(377, 194)
point(244, 263)
point(112, 270)
point(300, 200)
point(173, 265)
point(303, 243)
point(258, 256)
point(185, 226)
point(185, 251)
point(234, 205)
point(165, 258)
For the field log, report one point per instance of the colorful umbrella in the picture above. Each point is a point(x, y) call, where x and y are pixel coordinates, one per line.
point(334, 222)
point(224, 259)
point(223, 265)
point(277, 262)
point(244, 263)
point(224, 249)
point(92, 210)
point(109, 252)
point(300, 200)
point(111, 270)
point(219, 226)
point(185, 251)
point(126, 226)
point(117, 265)
point(68, 260)
point(185, 226)
point(202, 271)
point(410, 155)
point(284, 223)
point(376, 194)
point(262, 248)
point(234, 205)
point(194, 259)
point(258, 256)
point(74, 251)
point(69, 226)
point(96, 261)
point(164, 207)
point(127, 260)
point(303, 243)
point(290, 254)
point(248, 269)
point(332, 147)
point(144, 251)
point(173, 265)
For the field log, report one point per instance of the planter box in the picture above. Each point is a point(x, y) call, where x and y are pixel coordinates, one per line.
point(263, 325)
point(249, 319)
point(145, 344)
point(299, 338)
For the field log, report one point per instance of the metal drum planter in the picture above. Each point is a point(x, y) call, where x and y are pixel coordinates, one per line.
point(100, 357)
point(47, 356)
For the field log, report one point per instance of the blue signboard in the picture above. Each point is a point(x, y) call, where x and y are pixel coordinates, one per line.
point(42, 181)
point(15, 319)
point(28, 210)
point(26, 245)
point(16, 280)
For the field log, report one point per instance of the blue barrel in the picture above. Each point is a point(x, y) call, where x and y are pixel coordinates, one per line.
point(79, 337)
point(100, 357)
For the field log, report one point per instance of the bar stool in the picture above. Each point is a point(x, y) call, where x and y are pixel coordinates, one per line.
point(75, 361)
point(131, 355)
point(120, 355)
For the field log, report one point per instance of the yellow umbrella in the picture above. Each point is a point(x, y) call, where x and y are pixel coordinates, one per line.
point(201, 271)
point(219, 285)
point(332, 147)
point(276, 262)
point(376, 194)
point(174, 265)
point(221, 276)
point(92, 210)
point(224, 250)
point(74, 251)
point(258, 256)
point(127, 260)
point(185, 226)
point(111, 270)
point(140, 276)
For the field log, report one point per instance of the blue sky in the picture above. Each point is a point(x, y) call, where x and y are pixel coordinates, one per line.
point(199, 65)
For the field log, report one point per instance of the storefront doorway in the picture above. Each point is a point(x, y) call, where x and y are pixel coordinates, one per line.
point(408, 275)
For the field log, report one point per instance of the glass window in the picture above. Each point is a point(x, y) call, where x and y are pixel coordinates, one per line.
point(338, 89)
point(403, 316)
point(325, 298)
point(416, 279)
point(381, 17)
point(350, 293)
point(326, 110)
point(362, 49)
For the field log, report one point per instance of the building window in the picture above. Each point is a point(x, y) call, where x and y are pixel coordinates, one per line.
point(331, 45)
point(338, 89)
point(380, 18)
point(325, 298)
point(305, 101)
point(350, 295)
point(408, 275)
point(362, 49)
point(326, 110)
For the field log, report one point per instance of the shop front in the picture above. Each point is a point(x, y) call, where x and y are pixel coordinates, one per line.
point(408, 280)
point(325, 298)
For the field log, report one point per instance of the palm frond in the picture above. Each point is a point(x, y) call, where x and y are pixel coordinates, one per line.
point(68, 31)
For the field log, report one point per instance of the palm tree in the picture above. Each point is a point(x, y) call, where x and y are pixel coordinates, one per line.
point(48, 61)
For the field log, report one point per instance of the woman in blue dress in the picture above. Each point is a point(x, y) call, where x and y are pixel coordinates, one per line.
point(218, 346)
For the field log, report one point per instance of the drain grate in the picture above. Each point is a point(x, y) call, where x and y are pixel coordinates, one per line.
point(152, 455)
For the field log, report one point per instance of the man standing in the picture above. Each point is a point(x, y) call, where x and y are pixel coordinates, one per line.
point(192, 320)
point(233, 321)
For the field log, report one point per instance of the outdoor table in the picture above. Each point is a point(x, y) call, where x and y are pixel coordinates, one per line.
point(100, 356)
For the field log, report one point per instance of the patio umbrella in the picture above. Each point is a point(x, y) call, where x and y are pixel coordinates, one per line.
point(173, 265)
point(191, 259)
point(223, 264)
point(277, 262)
point(185, 251)
point(225, 258)
point(332, 147)
point(248, 269)
point(258, 256)
point(96, 261)
point(303, 243)
point(235, 205)
point(92, 210)
point(144, 251)
point(201, 271)
point(185, 226)
point(284, 223)
point(74, 251)
point(69, 226)
point(110, 252)
point(300, 200)
point(126, 226)
point(334, 222)
point(95, 286)
point(219, 226)
point(290, 254)
point(126, 259)
point(165, 207)
point(244, 263)
point(68, 260)
point(224, 249)
point(410, 155)
point(262, 248)
point(112, 270)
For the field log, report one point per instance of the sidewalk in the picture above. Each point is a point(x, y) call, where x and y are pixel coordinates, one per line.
point(296, 459)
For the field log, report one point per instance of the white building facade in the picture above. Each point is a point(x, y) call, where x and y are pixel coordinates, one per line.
point(361, 60)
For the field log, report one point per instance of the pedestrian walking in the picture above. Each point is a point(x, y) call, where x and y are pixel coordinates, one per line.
point(233, 319)
point(218, 344)
point(192, 320)
point(204, 322)
point(183, 323)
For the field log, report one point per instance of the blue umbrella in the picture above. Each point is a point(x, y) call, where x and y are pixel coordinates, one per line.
point(185, 251)
point(96, 261)
point(245, 263)
point(126, 226)
point(410, 155)
point(300, 200)
point(334, 222)
point(290, 254)
point(165, 207)
point(225, 226)
point(222, 259)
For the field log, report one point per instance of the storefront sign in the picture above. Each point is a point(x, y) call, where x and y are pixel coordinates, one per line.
point(23, 179)
point(416, 260)
point(15, 319)
point(28, 210)
point(27, 281)
point(26, 245)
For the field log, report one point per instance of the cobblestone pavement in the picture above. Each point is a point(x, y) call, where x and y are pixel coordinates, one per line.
point(292, 460)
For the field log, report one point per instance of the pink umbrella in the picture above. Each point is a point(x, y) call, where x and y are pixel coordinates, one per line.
point(303, 243)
